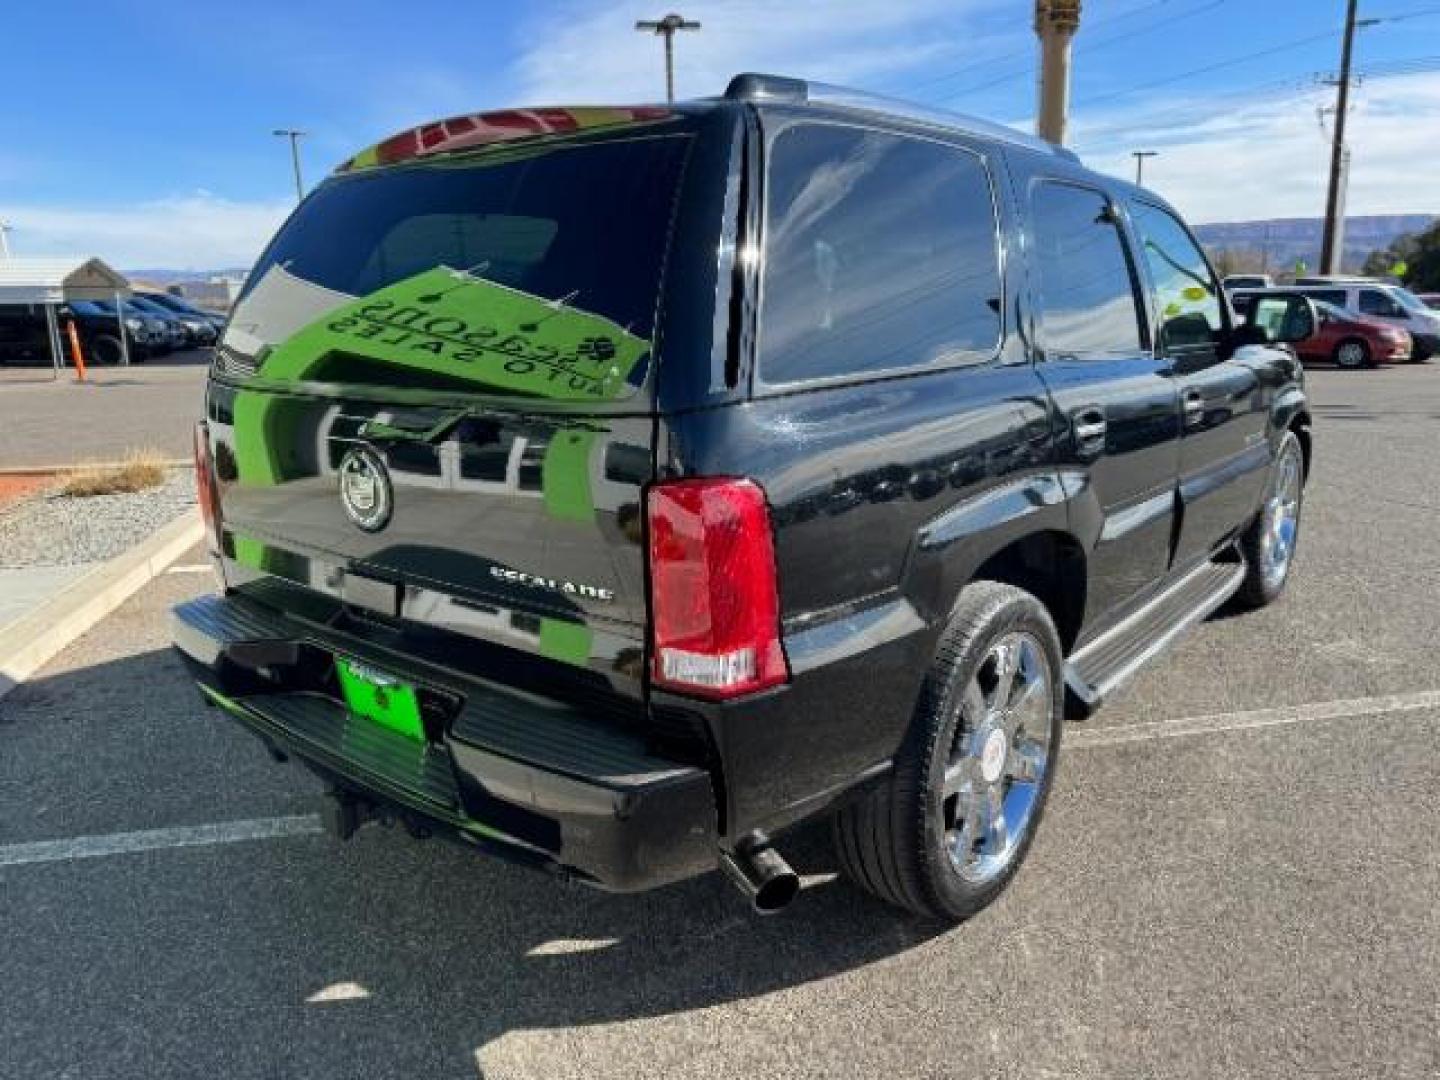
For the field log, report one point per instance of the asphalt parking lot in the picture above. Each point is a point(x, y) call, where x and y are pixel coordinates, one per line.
point(45, 420)
point(1237, 875)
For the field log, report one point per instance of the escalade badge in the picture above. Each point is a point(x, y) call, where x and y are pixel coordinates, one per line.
point(365, 489)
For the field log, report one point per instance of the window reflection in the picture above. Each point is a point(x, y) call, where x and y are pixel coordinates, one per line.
point(1086, 293)
point(1186, 293)
point(881, 254)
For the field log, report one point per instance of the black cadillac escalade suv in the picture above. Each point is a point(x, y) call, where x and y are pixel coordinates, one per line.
point(616, 488)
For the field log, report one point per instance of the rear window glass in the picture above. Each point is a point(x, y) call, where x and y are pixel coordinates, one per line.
point(530, 271)
point(880, 255)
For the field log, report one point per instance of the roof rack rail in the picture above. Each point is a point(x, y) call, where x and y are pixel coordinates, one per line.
point(758, 87)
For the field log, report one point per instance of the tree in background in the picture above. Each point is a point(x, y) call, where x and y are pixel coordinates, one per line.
point(1420, 255)
point(1229, 261)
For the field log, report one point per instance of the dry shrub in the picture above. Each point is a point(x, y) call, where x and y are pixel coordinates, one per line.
point(140, 470)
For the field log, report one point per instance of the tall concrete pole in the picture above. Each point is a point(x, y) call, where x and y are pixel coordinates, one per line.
point(1331, 248)
point(1056, 22)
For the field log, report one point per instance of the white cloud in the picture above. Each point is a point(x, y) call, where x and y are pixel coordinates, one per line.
point(589, 52)
point(1242, 157)
point(199, 230)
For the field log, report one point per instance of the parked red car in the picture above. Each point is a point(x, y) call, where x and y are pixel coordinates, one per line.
point(1341, 337)
point(1354, 341)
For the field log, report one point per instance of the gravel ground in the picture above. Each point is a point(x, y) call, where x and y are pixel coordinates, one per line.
point(52, 530)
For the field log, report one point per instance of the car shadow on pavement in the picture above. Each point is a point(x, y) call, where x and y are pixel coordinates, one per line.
point(383, 956)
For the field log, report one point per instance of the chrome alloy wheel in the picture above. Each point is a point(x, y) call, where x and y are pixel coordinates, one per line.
point(1282, 516)
point(1002, 751)
point(1351, 355)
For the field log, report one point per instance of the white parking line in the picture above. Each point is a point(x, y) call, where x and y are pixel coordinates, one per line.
point(231, 832)
point(1257, 718)
point(190, 568)
point(89, 847)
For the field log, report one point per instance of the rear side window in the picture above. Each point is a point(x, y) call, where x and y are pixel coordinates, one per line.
point(1186, 293)
point(880, 255)
point(1086, 289)
point(1375, 302)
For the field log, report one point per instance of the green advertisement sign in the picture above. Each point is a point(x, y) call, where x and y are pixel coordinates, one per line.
point(451, 323)
point(449, 327)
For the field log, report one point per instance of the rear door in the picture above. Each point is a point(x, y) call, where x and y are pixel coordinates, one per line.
point(1117, 401)
point(434, 399)
point(1224, 454)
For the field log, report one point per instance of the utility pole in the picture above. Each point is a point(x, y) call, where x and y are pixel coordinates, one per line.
point(5, 228)
point(1056, 23)
point(1140, 156)
point(294, 137)
point(1332, 245)
point(667, 28)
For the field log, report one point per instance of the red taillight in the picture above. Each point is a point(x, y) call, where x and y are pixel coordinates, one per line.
point(713, 588)
point(205, 490)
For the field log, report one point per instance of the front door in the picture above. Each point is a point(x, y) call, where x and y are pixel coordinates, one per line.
point(1224, 454)
point(1115, 400)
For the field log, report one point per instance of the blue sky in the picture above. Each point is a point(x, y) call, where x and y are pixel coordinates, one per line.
point(141, 131)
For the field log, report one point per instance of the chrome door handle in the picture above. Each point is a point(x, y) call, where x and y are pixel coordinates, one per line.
point(1194, 406)
point(1089, 428)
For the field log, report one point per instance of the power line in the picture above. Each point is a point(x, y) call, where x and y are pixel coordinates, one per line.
point(1296, 86)
point(1086, 50)
point(1180, 77)
point(1088, 47)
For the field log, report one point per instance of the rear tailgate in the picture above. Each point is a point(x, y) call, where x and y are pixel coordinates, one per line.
point(519, 529)
point(435, 399)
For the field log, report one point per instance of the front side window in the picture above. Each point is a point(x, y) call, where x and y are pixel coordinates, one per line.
point(1088, 307)
point(1329, 296)
point(1187, 295)
point(880, 255)
point(1409, 301)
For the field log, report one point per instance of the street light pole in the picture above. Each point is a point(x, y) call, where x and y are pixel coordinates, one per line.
point(294, 136)
point(667, 28)
point(1140, 156)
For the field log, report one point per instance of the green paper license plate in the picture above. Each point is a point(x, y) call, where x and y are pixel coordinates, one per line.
point(380, 697)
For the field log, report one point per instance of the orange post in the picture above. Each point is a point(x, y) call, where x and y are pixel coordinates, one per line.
point(75, 353)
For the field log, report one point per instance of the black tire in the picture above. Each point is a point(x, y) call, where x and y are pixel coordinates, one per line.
point(1353, 353)
point(106, 350)
point(896, 841)
point(1263, 584)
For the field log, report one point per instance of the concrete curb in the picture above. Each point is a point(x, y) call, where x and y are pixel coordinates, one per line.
point(44, 470)
point(30, 641)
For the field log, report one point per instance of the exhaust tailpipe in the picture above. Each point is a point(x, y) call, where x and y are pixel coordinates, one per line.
point(759, 871)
